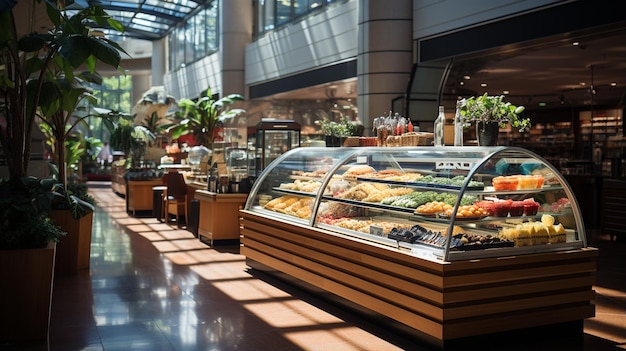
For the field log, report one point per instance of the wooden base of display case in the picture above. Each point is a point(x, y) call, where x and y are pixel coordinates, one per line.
point(219, 215)
point(440, 301)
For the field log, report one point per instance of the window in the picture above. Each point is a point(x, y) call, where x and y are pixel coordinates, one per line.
point(271, 14)
point(300, 7)
point(195, 39)
point(189, 40)
point(114, 94)
point(179, 50)
point(265, 15)
point(283, 12)
point(211, 27)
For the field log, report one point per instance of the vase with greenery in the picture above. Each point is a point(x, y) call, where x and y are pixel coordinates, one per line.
point(203, 117)
point(490, 113)
point(336, 132)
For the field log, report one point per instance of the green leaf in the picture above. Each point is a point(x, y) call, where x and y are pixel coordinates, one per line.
point(115, 24)
point(31, 43)
point(75, 50)
point(53, 13)
point(104, 51)
point(91, 63)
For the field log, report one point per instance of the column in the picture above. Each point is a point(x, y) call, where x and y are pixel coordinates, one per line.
point(385, 56)
point(159, 55)
point(235, 34)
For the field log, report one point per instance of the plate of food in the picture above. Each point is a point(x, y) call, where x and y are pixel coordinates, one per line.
point(432, 208)
point(466, 212)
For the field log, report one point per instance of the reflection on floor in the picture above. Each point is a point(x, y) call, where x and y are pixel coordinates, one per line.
point(153, 286)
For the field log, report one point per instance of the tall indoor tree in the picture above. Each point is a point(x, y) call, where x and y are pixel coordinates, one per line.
point(34, 66)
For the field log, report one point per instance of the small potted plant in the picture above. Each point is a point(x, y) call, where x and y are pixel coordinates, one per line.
point(336, 132)
point(489, 113)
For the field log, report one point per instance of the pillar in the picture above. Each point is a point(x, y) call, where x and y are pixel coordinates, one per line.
point(235, 34)
point(159, 55)
point(385, 56)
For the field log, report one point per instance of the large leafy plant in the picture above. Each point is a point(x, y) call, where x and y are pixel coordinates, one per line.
point(202, 117)
point(38, 72)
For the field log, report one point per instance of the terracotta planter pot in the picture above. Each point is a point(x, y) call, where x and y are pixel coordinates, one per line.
point(26, 295)
point(74, 249)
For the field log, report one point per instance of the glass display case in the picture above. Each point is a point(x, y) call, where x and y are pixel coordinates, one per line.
point(437, 203)
point(272, 139)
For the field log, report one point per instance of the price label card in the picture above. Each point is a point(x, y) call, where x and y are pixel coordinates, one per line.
point(376, 231)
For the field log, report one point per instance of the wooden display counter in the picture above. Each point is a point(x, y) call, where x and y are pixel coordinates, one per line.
point(139, 194)
point(118, 183)
point(440, 302)
point(219, 215)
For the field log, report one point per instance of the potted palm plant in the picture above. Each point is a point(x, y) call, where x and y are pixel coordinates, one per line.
point(28, 63)
point(203, 117)
point(132, 140)
point(489, 113)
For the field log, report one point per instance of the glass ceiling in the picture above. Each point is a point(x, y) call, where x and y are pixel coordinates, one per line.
point(145, 19)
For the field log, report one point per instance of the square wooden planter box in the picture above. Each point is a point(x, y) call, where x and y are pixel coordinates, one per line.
point(26, 296)
point(74, 249)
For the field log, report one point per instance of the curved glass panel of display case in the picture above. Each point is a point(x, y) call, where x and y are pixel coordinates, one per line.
point(439, 203)
point(295, 176)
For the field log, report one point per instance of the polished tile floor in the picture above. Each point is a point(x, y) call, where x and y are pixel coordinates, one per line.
point(153, 286)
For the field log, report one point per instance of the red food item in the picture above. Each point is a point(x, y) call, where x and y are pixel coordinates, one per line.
point(530, 207)
point(502, 208)
point(517, 208)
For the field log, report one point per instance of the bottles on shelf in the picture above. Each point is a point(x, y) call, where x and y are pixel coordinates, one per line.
point(458, 126)
point(439, 126)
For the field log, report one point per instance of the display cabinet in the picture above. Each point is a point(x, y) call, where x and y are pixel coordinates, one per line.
point(444, 204)
point(272, 139)
point(451, 241)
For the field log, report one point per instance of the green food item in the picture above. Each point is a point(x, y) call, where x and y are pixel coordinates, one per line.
point(418, 198)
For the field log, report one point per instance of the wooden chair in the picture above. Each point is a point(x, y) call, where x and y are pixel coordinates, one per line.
point(175, 196)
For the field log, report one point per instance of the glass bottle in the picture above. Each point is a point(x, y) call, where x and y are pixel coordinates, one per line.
point(212, 178)
point(439, 123)
point(458, 125)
